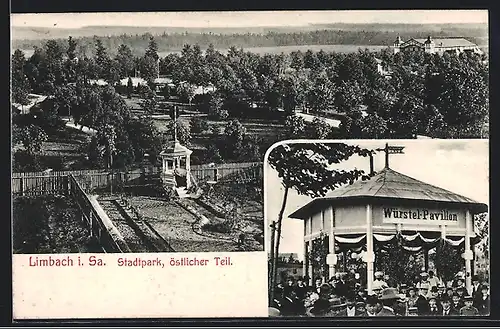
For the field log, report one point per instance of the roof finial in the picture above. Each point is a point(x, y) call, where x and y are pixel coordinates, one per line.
point(390, 150)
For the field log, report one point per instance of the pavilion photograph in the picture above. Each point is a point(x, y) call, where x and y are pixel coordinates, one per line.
point(381, 228)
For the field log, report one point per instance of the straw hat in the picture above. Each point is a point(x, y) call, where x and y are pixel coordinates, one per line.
point(389, 293)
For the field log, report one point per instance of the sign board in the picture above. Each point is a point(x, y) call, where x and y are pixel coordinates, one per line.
point(421, 216)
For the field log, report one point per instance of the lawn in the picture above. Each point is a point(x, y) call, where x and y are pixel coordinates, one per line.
point(175, 225)
point(49, 224)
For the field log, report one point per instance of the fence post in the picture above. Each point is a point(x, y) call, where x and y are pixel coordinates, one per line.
point(91, 222)
point(22, 184)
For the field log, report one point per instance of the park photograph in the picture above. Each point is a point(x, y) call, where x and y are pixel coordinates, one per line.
point(146, 132)
point(378, 228)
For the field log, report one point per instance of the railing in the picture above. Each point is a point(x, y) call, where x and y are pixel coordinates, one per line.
point(101, 227)
point(56, 182)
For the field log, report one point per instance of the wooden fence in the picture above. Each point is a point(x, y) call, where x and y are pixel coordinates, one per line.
point(101, 227)
point(56, 182)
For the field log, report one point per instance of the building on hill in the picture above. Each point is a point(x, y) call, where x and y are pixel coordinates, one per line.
point(435, 46)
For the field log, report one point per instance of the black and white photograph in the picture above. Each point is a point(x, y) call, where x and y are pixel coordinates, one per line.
point(162, 133)
point(374, 228)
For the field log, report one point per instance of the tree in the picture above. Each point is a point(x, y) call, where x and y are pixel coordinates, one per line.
point(215, 109)
point(149, 70)
point(149, 102)
point(20, 82)
point(65, 100)
point(234, 134)
point(125, 59)
point(32, 137)
point(101, 59)
point(322, 95)
point(319, 129)
point(152, 50)
point(198, 124)
point(310, 176)
point(213, 154)
point(183, 132)
point(295, 127)
point(186, 91)
point(71, 62)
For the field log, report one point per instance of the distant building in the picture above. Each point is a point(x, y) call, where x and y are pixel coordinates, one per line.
point(435, 46)
point(289, 266)
point(34, 101)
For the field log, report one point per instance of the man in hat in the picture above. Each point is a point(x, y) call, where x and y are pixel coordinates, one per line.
point(423, 280)
point(317, 284)
point(372, 305)
point(434, 307)
point(457, 303)
point(476, 286)
point(290, 305)
point(322, 306)
point(422, 303)
point(412, 297)
point(484, 301)
point(350, 310)
point(403, 289)
point(449, 293)
point(390, 282)
point(433, 280)
point(468, 309)
point(447, 310)
point(300, 289)
point(389, 298)
point(441, 290)
point(378, 283)
point(434, 292)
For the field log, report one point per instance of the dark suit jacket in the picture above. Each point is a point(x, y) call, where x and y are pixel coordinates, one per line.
point(422, 305)
point(290, 307)
point(483, 306)
point(437, 312)
point(343, 313)
point(385, 312)
point(452, 312)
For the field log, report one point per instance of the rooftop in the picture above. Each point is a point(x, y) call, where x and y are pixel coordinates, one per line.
point(390, 184)
point(449, 42)
point(174, 148)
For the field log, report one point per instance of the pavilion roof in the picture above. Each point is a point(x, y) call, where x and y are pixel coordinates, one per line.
point(174, 148)
point(390, 184)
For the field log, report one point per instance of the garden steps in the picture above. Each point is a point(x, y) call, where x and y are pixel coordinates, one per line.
point(131, 237)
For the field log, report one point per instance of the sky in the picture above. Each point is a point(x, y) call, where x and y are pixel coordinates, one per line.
point(460, 166)
point(249, 18)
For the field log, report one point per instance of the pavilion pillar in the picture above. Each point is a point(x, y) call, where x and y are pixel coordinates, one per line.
point(369, 256)
point(305, 263)
point(331, 242)
point(468, 255)
point(309, 250)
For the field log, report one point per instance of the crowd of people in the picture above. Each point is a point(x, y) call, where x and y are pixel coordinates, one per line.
point(344, 296)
